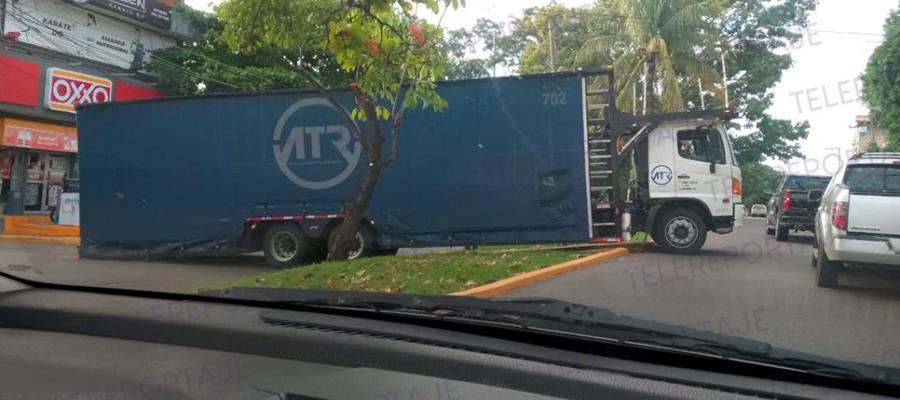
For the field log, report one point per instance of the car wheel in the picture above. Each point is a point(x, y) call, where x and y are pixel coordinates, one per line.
point(286, 246)
point(781, 232)
point(365, 245)
point(827, 271)
point(680, 231)
point(815, 254)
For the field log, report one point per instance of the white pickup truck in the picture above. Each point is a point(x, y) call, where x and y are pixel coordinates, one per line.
point(858, 220)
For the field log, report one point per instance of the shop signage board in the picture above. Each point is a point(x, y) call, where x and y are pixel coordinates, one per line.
point(41, 139)
point(153, 12)
point(66, 89)
point(77, 31)
point(68, 209)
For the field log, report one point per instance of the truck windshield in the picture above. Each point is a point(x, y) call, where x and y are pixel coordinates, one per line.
point(873, 179)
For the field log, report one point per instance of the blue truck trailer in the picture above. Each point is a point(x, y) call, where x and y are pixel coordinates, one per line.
point(511, 160)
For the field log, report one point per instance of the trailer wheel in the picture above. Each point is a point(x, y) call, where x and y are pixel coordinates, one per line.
point(285, 246)
point(365, 242)
point(680, 231)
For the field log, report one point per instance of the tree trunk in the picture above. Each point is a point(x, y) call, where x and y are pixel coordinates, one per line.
point(346, 233)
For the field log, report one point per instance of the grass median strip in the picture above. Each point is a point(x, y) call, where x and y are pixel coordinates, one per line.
point(423, 274)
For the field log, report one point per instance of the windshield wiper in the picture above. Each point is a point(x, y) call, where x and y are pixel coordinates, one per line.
point(561, 318)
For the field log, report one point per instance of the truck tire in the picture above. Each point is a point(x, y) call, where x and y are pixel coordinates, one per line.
point(782, 233)
point(286, 246)
point(769, 231)
point(680, 231)
point(366, 245)
point(827, 271)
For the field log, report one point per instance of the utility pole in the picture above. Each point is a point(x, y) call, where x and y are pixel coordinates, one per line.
point(634, 98)
point(550, 29)
point(700, 90)
point(2, 17)
point(644, 97)
point(725, 78)
point(494, 53)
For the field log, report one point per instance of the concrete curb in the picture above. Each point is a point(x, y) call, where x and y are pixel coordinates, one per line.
point(505, 285)
point(40, 239)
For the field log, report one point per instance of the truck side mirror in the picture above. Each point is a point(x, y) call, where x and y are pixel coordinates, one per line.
point(712, 167)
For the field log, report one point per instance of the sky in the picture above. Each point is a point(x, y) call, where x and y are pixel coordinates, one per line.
point(821, 87)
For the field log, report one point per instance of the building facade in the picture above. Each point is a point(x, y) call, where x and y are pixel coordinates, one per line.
point(868, 136)
point(54, 56)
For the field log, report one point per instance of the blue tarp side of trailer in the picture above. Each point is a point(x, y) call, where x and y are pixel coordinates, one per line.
point(504, 163)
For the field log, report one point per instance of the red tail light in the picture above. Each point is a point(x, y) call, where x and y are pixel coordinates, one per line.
point(839, 214)
point(787, 201)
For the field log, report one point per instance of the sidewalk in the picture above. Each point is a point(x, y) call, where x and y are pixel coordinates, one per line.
point(37, 229)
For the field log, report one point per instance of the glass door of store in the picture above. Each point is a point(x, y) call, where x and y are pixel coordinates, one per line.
point(45, 174)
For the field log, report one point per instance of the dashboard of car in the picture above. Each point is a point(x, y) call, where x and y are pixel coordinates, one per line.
point(111, 344)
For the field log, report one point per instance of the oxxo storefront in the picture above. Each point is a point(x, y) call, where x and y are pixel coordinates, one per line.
point(39, 149)
point(38, 162)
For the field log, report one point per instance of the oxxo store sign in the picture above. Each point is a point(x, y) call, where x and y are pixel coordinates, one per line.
point(66, 89)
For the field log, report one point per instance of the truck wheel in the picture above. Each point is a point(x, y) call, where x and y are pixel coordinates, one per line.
point(285, 246)
point(680, 231)
point(781, 232)
point(769, 231)
point(365, 243)
point(827, 271)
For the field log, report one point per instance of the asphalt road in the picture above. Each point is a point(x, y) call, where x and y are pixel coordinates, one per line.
point(743, 284)
point(59, 264)
point(747, 284)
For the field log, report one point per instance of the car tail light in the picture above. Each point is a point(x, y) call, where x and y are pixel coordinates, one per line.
point(787, 201)
point(839, 214)
point(735, 186)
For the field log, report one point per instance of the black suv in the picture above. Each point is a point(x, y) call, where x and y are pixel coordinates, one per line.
point(794, 204)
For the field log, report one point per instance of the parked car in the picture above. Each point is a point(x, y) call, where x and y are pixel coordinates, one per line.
point(758, 210)
point(793, 205)
point(857, 222)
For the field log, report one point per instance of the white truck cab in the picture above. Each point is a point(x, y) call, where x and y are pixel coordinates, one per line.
point(693, 183)
point(672, 174)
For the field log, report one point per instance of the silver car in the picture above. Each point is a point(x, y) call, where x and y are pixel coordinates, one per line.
point(759, 210)
point(858, 220)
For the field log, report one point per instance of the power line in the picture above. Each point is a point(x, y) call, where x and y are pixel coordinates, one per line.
point(97, 51)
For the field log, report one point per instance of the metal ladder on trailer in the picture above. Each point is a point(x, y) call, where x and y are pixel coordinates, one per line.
point(599, 106)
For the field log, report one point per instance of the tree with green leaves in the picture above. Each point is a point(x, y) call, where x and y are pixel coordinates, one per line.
point(654, 47)
point(696, 37)
point(394, 59)
point(881, 82)
point(459, 64)
point(208, 64)
point(759, 180)
point(571, 29)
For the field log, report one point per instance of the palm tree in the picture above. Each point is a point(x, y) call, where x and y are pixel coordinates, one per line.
point(656, 47)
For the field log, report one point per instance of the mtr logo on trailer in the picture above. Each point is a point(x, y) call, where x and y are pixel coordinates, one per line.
point(313, 146)
point(66, 89)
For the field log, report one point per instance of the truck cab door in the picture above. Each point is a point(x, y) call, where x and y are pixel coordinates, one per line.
point(702, 168)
